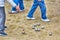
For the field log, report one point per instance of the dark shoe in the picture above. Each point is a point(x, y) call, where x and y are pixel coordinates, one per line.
point(2, 33)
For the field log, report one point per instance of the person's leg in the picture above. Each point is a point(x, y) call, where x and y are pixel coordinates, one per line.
point(13, 10)
point(31, 12)
point(21, 4)
point(2, 21)
point(43, 10)
point(16, 2)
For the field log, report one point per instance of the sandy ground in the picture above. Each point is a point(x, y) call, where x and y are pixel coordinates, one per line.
point(16, 22)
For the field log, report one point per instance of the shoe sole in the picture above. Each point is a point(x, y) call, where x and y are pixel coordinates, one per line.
point(13, 13)
point(30, 19)
point(2, 35)
point(45, 20)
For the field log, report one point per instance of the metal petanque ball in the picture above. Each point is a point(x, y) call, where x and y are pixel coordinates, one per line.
point(50, 34)
point(42, 27)
point(23, 31)
point(37, 29)
point(33, 27)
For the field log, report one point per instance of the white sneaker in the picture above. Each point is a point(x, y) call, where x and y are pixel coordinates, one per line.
point(21, 10)
point(46, 20)
point(13, 12)
point(30, 18)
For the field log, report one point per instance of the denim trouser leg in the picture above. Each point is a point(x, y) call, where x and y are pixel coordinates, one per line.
point(21, 4)
point(2, 18)
point(43, 9)
point(16, 2)
point(30, 14)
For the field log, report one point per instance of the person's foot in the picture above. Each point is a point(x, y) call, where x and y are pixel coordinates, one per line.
point(13, 12)
point(2, 33)
point(46, 20)
point(21, 10)
point(30, 18)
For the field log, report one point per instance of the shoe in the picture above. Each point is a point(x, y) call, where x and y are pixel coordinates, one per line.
point(30, 18)
point(46, 20)
point(13, 12)
point(2, 33)
point(21, 10)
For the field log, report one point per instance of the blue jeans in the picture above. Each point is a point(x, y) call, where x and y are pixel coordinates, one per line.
point(21, 5)
point(42, 7)
point(2, 18)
